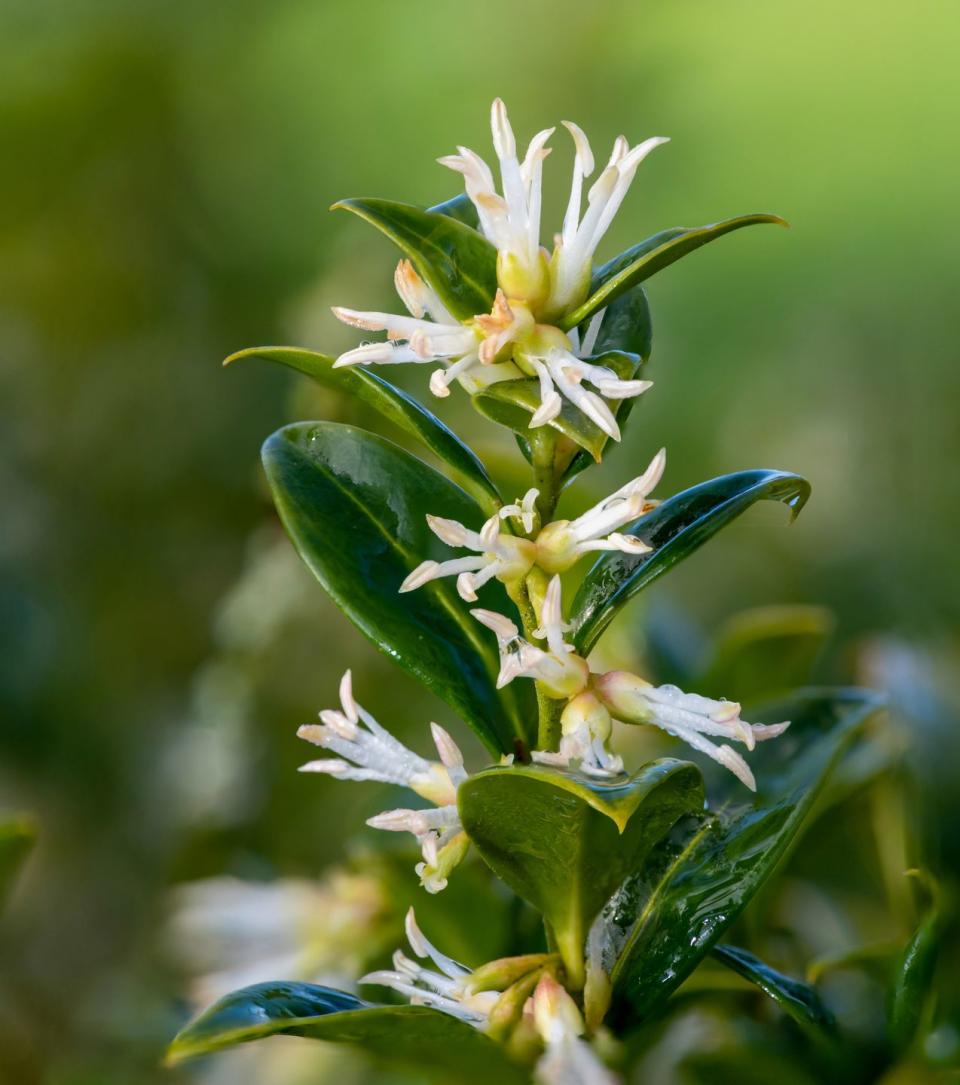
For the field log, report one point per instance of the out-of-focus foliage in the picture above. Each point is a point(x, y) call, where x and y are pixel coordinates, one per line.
point(163, 202)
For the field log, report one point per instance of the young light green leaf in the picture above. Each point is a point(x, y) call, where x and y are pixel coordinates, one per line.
point(564, 842)
point(459, 263)
point(432, 1043)
point(355, 506)
point(646, 258)
point(511, 403)
point(674, 529)
point(797, 999)
point(393, 404)
point(765, 652)
point(672, 912)
point(17, 837)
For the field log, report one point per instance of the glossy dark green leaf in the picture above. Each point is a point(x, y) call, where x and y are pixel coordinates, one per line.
point(435, 1044)
point(458, 262)
point(355, 506)
point(765, 652)
point(394, 405)
point(626, 325)
point(671, 914)
point(913, 980)
point(17, 837)
point(797, 999)
point(674, 529)
point(511, 403)
point(564, 842)
point(460, 208)
point(646, 258)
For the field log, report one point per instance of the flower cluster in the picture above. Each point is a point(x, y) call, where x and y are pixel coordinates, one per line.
point(369, 752)
point(594, 701)
point(519, 337)
point(515, 999)
point(556, 548)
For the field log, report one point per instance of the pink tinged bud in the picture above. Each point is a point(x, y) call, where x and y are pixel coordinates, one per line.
point(622, 693)
point(554, 1012)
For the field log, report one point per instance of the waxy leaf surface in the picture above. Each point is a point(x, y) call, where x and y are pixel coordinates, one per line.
point(671, 913)
point(564, 842)
point(651, 255)
point(393, 404)
point(675, 529)
point(797, 999)
point(460, 208)
point(457, 261)
point(355, 506)
point(434, 1044)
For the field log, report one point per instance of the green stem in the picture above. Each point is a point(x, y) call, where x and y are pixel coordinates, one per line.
point(546, 477)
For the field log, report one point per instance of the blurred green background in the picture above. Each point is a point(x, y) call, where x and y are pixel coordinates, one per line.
point(163, 202)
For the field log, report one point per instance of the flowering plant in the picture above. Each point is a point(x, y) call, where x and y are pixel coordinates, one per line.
point(635, 872)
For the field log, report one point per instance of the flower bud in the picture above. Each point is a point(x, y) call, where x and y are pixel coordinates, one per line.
point(622, 693)
point(556, 547)
point(586, 715)
point(521, 281)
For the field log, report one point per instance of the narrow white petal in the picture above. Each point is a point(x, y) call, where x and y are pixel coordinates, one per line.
point(423, 947)
point(590, 335)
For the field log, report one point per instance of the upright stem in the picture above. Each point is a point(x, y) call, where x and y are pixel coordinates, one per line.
point(545, 475)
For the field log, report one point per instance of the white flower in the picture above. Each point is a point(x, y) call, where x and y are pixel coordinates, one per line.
point(519, 337)
point(561, 543)
point(369, 752)
point(445, 987)
point(687, 716)
point(511, 221)
point(573, 255)
point(560, 368)
point(431, 333)
point(585, 730)
point(498, 554)
point(561, 672)
point(524, 510)
point(567, 1059)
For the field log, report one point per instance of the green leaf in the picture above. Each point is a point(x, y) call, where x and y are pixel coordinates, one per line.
point(396, 406)
point(765, 652)
point(511, 403)
point(674, 529)
point(460, 208)
point(355, 506)
point(671, 913)
point(913, 981)
point(797, 999)
point(626, 326)
point(458, 262)
point(17, 837)
point(564, 842)
point(646, 258)
point(432, 1043)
